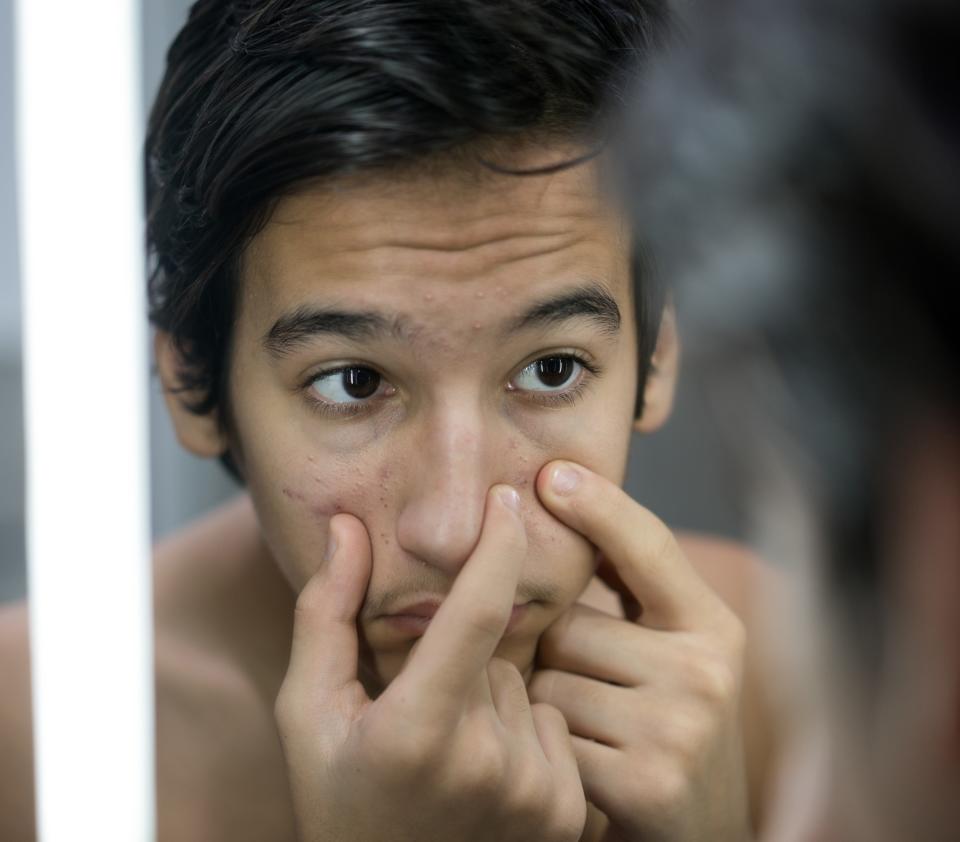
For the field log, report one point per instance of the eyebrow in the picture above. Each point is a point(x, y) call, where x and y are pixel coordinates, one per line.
point(305, 323)
point(591, 301)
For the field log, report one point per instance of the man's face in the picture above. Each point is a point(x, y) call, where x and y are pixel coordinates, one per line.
point(403, 344)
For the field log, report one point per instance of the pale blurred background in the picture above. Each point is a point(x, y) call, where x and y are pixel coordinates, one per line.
point(682, 472)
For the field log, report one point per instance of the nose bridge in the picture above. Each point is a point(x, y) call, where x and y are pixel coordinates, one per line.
point(440, 520)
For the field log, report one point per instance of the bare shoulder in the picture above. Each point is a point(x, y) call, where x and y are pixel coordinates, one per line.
point(220, 771)
point(735, 572)
point(16, 734)
point(748, 585)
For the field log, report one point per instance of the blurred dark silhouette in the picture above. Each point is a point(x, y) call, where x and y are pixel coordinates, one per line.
point(794, 174)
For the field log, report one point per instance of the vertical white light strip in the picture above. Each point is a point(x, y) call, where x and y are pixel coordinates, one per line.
point(78, 122)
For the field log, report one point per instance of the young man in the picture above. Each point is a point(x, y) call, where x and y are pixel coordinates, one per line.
point(827, 206)
point(392, 297)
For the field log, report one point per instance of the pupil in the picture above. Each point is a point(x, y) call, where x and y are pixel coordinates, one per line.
point(554, 371)
point(360, 382)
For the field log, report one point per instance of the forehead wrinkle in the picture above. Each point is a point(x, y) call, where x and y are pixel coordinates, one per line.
point(510, 240)
point(443, 220)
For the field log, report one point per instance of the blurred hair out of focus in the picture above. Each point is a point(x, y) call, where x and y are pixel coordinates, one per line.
point(794, 172)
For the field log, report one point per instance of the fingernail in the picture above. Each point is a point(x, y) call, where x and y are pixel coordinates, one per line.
point(564, 480)
point(331, 545)
point(509, 498)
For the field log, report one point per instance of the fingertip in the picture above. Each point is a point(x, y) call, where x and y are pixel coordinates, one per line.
point(348, 531)
point(559, 479)
point(508, 500)
point(508, 497)
point(348, 555)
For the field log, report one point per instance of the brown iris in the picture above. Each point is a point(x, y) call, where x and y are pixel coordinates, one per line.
point(360, 383)
point(554, 371)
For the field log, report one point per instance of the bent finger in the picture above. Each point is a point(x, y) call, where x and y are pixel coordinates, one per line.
point(509, 696)
point(557, 744)
point(638, 545)
point(325, 648)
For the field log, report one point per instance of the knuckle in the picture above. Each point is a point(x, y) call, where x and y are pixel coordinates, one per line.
point(487, 619)
point(715, 680)
point(678, 739)
point(569, 819)
point(710, 672)
point(549, 718)
point(288, 707)
point(484, 768)
point(663, 792)
point(662, 540)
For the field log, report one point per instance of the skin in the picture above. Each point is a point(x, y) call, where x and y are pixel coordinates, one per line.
point(406, 488)
point(454, 261)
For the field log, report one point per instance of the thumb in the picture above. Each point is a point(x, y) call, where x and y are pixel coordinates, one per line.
point(325, 649)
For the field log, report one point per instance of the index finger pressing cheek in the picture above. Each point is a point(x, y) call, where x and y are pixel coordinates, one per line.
point(638, 545)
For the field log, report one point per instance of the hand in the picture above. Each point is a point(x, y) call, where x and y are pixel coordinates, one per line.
point(651, 701)
point(452, 750)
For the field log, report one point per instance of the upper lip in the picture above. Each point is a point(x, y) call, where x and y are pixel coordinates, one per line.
point(426, 608)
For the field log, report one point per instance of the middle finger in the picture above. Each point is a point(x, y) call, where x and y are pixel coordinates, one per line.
point(592, 643)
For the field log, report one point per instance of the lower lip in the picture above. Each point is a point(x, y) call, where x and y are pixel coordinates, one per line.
point(415, 624)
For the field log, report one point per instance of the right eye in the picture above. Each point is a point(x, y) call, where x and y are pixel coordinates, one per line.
point(347, 386)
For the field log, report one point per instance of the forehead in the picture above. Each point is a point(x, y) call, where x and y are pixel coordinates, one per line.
point(436, 234)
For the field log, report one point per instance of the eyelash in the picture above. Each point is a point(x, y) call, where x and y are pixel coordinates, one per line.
point(557, 400)
point(553, 400)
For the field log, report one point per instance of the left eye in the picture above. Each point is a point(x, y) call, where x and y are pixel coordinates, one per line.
point(549, 374)
point(347, 386)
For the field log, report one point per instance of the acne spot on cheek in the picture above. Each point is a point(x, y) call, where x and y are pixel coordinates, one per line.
point(520, 476)
point(385, 475)
point(479, 293)
point(291, 494)
point(326, 510)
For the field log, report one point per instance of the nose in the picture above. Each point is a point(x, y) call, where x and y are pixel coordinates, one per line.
point(442, 510)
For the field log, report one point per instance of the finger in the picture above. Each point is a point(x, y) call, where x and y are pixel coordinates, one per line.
point(509, 695)
point(593, 709)
point(554, 737)
point(597, 765)
point(325, 649)
point(633, 540)
point(469, 624)
point(589, 642)
point(555, 741)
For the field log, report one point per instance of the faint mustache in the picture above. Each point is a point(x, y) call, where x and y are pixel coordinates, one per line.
point(426, 588)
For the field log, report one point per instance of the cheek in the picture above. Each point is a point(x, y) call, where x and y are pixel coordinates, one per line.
point(294, 506)
point(599, 440)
